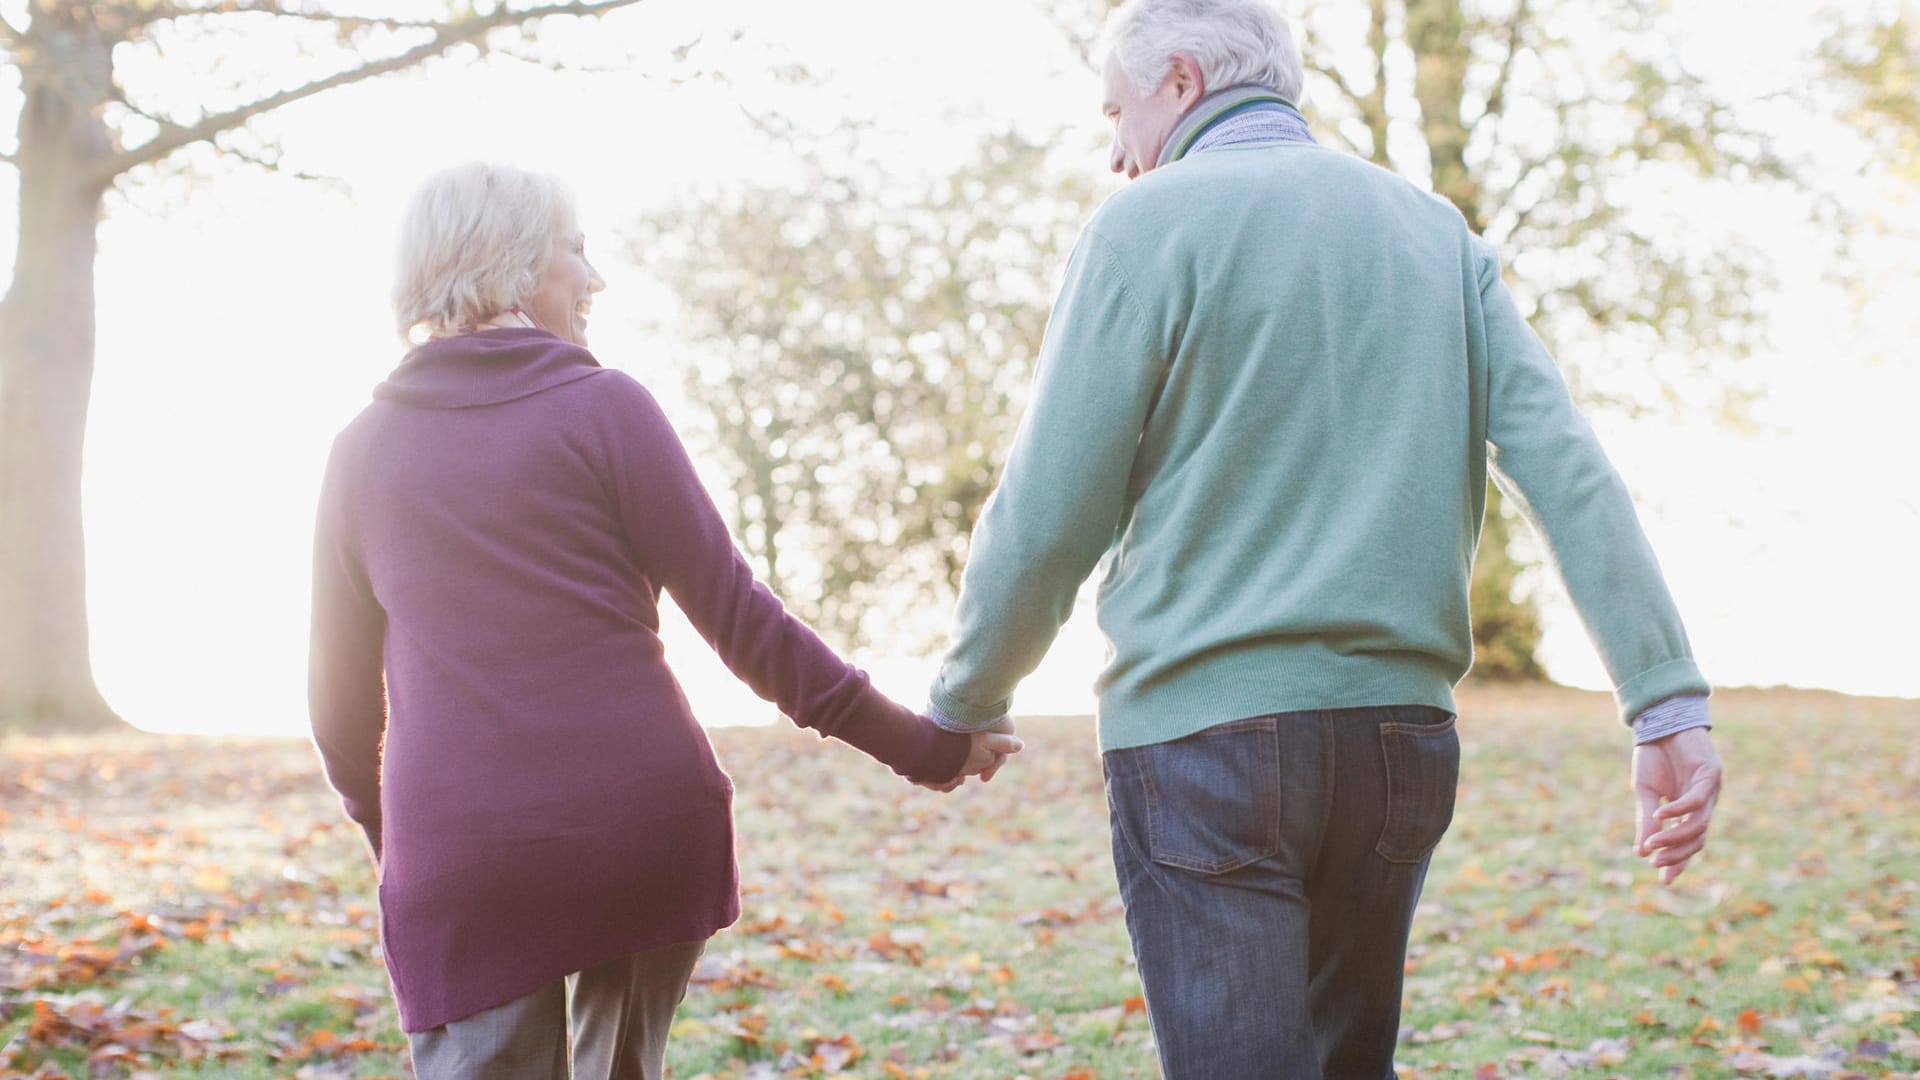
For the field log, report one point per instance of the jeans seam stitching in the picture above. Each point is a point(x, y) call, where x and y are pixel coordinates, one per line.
point(1398, 727)
point(1329, 753)
point(1152, 799)
point(1388, 749)
point(1276, 826)
point(1132, 841)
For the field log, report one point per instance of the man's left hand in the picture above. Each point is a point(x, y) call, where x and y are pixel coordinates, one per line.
point(1683, 772)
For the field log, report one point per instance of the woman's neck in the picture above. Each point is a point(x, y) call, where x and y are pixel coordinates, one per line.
point(512, 318)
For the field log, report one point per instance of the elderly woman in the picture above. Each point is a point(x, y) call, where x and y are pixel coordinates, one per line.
point(493, 536)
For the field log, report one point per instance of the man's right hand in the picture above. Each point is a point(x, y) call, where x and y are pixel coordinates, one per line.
point(988, 751)
point(1683, 770)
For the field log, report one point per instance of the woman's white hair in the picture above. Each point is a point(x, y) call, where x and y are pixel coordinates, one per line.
point(1234, 42)
point(474, 241)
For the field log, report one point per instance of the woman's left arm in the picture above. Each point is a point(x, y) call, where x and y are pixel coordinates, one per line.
point(683, 545)
point(346, 691)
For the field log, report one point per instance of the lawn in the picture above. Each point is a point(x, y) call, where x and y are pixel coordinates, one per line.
point(185, 907)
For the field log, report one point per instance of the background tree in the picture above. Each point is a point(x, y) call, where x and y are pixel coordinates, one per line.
point(85, 128)
point(1876, 68)
point(862, 357)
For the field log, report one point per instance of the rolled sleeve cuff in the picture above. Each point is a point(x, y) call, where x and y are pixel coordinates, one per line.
point(1675, 714)
point(946, 721)
point(1657, 684)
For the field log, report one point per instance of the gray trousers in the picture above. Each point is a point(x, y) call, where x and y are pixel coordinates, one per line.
point(621, 1012)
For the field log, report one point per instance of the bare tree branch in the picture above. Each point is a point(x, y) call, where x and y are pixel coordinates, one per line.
point(1332, 74)
point(553, 64)
point(11, 34)
point(1080, 34)
point(775, 127)
point(1496, 97)
point(1374, 107)
point(8, 159)
point(1340, 139)
point(446, 35)
point(272, 164)
point(1370, 108)
point(166, 11)
point(1522, 215)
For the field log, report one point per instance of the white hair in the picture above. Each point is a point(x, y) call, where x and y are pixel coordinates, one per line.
point(1234, 43)
point(474, 241)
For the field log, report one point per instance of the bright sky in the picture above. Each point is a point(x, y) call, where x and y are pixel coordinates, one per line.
point(243, 322)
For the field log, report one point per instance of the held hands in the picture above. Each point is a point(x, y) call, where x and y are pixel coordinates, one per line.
point(1684, 770)
point(989, 750)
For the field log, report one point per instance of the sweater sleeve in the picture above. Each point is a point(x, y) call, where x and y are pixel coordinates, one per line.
point(1545, 457)
point(1062, 493)
point(684, 546)
point(346, 693)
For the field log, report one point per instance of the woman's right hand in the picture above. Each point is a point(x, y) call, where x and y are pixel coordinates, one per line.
point(988, 751)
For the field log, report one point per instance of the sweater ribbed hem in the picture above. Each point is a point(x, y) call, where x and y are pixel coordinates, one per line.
point(1257, 682)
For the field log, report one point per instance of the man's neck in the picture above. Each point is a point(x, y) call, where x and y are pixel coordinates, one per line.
point(1222, 106)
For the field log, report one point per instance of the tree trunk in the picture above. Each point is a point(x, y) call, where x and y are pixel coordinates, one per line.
point(772, 520)
point(1374, 108)
point(46, 374)
point(1506, 631)
point(1442, 51)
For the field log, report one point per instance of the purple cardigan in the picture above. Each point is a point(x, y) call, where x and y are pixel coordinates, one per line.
point(493, 534)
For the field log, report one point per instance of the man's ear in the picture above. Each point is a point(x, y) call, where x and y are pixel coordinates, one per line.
point(1189, 85)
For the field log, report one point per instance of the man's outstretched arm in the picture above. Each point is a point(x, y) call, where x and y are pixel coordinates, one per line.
point(1546, 458)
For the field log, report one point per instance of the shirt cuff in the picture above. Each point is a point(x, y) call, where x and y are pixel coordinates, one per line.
point(947, 723)
point(1675, 714)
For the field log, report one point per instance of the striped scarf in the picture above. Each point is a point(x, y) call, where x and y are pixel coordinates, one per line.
point(1235, 116)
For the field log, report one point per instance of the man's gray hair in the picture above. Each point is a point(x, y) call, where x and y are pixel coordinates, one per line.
point(474, 242)
point(1234, 42)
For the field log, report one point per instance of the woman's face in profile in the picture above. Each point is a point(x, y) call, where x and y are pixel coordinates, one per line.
point(564, 293)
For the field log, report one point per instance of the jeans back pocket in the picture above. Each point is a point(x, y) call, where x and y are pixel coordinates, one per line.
point(1213, 797)
point(1422, 749)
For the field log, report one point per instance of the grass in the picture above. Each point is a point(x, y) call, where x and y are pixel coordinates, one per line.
point(181, 907)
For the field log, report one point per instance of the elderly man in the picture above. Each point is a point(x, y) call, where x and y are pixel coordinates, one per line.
point(1274, 383)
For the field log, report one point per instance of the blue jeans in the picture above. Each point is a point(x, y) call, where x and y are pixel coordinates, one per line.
point(1269, 868)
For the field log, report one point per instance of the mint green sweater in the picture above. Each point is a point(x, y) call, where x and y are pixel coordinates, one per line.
point(1266, 405)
